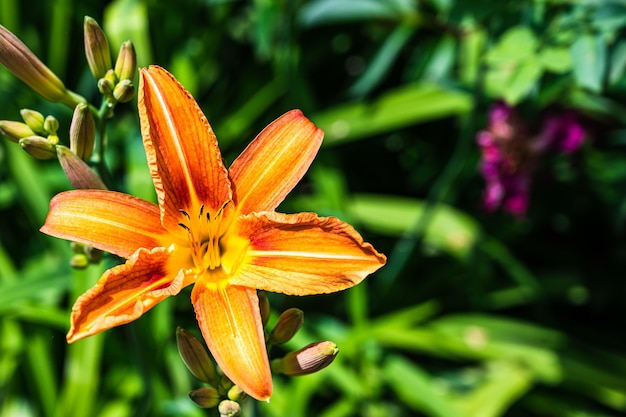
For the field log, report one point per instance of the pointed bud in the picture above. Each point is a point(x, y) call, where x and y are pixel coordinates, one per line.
point(51, 125)
point(126, 63)
point(38, 147)
point(236, 394)
point(96, 48)
point(264, 306)
point(307, 360)
point(23, 63)
point(14, 131)
point(205, 397)
point(124, 91)
point(80, 175)
point(228, 408)
point(82, 132)
point(195, 356)
point(287, 326)
point(34, 120)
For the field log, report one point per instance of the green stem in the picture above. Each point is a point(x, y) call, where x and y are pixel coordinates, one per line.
point(101, 115)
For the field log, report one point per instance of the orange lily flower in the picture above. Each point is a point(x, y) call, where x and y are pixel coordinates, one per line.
point(214, 228)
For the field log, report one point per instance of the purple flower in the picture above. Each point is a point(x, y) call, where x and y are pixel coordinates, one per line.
point(510, 154)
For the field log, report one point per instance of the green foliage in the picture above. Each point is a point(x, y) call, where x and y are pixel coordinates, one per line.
point(476, 314)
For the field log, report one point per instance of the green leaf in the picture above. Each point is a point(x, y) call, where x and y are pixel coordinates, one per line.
point(405, 106)
point(556, 59)
point(383, 60)
point(589, 58)
point(335, 11)
point(516, 44)
point(449, 230)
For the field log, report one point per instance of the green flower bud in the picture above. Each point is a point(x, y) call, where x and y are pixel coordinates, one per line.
point(34, 120)
point(38, 147)
point(287, 326)
point(126, 63)
point(23, 63)
point(96, 48)
point(236, 394)
point(264, 307)
point(205, 397)
point(80, 175)
point(124, 91)
point(14, 131)
point(307, 360)
point(195, 356)
point(79, 261)
point(228, 408)
point(82, 132)
point(106, 86)
point(51, 125)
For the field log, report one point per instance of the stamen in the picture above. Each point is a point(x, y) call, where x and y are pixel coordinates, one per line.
point(185, 214)
point(184, 226)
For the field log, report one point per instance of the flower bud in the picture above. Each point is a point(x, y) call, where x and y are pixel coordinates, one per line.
point(307, 360)
point(79, 261)
point(195, 356)
point(23, 63)
point(236, 394)
point(96, 48)
point(80, 175)
point(264, 306)
point(38, 147)
point(34, 120)
point(51, 125)
point(126, 63)
point(228, 408)
point(205, 397)
point(82, 132)
point(287, 326)
point(124, 91)
point(14, 131)
point(106, 86)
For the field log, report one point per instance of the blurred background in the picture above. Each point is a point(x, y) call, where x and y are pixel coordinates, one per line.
point(504, 292)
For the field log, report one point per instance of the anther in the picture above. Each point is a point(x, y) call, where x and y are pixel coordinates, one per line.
point(185, 214)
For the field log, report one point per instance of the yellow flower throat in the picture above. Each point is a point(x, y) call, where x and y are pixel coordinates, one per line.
point(205, 232)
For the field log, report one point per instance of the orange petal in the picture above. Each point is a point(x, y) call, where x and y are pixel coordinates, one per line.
point(124, 293)
point(107, 220)
point(231, 325)
point(269, 168)
point(185, 162)
point(302, 254)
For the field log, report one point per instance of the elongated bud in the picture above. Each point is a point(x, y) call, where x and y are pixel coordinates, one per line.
point(96, 48)
point(82, 132)
point(228, 408)
point(14, 131)
point(205, 397)
point(264, 306)
point(51, 125)
point(38, 147)
point(80, 175)
point(195, 356)
point(307, 360)
point(287, 326)
point(126, 63)
point(34, 120)
point(25, 65)
point(124, 91)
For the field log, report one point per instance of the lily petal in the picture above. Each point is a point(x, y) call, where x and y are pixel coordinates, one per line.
point(303, 254)
point(124, 293)
point(272, 164)
point(107, 220)
point(185, 161)
point(231, 325)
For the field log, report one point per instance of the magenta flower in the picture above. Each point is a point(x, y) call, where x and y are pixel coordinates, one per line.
point(510, 153)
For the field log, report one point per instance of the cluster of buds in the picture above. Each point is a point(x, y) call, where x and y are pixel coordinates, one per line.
point(114, 83)
point(84, 255)
point(220, 391)
point(37, 135)
point(510, 153)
